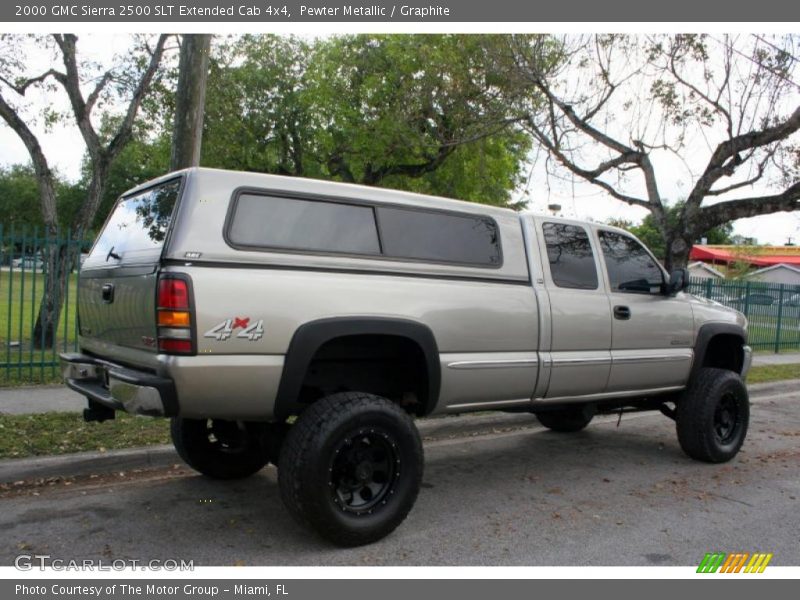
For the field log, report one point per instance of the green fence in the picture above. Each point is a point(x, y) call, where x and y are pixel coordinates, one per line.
point(23, 358)
point(772, 309)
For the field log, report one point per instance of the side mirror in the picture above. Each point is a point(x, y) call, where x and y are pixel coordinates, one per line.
point(678, 281)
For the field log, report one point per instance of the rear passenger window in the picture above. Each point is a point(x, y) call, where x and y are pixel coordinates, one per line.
point(291, 223)
point(569, 252)
point(439, 237)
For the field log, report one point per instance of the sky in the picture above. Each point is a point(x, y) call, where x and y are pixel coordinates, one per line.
point(64, 148)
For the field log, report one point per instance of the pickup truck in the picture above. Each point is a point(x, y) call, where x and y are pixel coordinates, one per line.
point(308, 323)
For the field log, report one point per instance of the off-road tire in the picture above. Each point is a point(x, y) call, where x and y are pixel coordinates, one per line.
point(566, 420)
point(236, 451)
point(713, 414)
point(351, 467)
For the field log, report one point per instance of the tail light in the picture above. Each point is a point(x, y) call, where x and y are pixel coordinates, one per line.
point(174, 315)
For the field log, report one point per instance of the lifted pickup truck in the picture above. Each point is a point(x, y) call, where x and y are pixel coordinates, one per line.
point(305, 323)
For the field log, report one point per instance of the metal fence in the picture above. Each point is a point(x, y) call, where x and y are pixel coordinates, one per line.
point(23, 357)
point(772, 309)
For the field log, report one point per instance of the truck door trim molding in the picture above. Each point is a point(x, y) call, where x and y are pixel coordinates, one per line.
point(493, 364)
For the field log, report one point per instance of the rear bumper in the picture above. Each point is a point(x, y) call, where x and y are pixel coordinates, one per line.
point(119, 388)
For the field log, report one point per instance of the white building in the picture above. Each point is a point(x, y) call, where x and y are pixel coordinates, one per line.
point(700, 270)
point(782, 273)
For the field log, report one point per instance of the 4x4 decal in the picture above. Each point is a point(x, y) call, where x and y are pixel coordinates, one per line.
point(225, 330)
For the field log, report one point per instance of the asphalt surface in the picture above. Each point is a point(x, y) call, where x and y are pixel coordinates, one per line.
point(606, 496)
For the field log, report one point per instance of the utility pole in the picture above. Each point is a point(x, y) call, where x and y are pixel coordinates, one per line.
point(190, 101)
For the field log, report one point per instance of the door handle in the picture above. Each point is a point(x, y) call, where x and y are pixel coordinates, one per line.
point(108, 293)
point(623, 313)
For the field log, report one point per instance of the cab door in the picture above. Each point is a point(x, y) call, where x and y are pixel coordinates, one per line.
point(652, 335)
point(579, 350)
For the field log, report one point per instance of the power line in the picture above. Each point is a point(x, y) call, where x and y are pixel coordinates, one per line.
point(758, 64)
point(768, 43)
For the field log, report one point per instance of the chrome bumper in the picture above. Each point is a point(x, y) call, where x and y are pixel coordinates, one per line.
point(119, 388)
point(747, 360)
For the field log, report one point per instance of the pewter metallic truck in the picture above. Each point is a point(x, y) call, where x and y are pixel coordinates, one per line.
point(308, 324)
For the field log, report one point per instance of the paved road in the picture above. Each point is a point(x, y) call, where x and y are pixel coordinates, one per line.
point(606, 496)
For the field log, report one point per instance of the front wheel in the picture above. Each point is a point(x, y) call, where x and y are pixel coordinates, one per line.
point(220, 449)
point(713, 415)
point(351, 467)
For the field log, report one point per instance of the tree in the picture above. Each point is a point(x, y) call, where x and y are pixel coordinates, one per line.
point(126, 85)
point(145, 157)
point(422, 113)
point(727, 108)
point(19, 198)
point(190, 100)
point(653, 237)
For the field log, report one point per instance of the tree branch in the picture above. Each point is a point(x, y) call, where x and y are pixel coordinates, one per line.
point(748, 182)
point(71, 83)
point(92, 99)
point(725, 159)
point(723, 212)
point(713, 103)
point(430, 164)
point(21, 88)
point(126, 128)
point(591, 175)
point(44, 175)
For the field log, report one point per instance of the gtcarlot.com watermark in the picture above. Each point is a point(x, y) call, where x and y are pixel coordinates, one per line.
point(29, 562)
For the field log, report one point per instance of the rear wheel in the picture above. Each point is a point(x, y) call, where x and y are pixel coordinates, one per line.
point(566, 420)
point(351, 467)
point(220, 449)
point(713, 415)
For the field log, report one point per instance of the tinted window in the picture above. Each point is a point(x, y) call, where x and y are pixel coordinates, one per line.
point(137, 227)
point(630, 266)
point(570, 255)
point(275, 222)
point(439, 237)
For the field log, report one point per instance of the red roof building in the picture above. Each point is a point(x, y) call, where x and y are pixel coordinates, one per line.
point(760, 256)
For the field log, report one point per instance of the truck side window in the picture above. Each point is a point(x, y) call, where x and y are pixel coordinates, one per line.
point(296, 224)
point(439, 237)
point(569, 252)
point(630, 266)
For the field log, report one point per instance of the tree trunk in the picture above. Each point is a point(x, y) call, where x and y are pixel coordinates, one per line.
point(190, 100)
point(59, 258)
point(678, 247)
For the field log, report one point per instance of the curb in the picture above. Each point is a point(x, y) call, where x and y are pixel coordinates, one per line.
point(87, 463)
point(153, 457)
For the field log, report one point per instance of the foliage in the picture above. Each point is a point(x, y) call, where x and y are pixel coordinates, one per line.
point(19, 198)
point(652, 236)
point(411, 112)
point(116, 93)
point(144, 158)
point(620, 109)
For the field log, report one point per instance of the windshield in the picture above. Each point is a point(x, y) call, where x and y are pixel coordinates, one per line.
point(136, 229)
